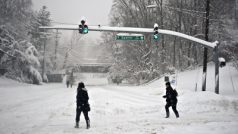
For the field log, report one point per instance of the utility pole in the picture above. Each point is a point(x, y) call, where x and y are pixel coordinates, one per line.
point(56, 47)
point(162, 37)
point(236, 12)
point(44, 35)
point(162, 21)
point(66, 58)
point(180, 53)
point(204, 77)
point(43, 64)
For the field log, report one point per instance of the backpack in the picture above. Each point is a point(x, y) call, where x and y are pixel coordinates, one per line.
point(175, 93)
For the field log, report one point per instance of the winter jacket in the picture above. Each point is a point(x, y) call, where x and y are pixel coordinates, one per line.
point(171, 95)
point(82, 99)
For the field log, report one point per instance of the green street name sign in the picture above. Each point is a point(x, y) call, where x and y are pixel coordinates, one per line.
point(129, 36)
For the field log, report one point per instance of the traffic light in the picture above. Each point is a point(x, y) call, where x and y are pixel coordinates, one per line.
point(156, 33)
point(83, 28)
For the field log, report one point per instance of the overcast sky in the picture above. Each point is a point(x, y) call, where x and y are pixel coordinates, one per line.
point(71, 11)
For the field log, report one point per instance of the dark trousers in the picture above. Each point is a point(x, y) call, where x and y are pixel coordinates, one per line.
point(174, 107)
point(78, 113)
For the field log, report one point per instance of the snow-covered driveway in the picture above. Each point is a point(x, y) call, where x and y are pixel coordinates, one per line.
point(50, 109)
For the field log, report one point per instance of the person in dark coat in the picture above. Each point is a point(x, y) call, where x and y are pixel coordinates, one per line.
point(171, 99)
point(82, 105)
point(67, 83)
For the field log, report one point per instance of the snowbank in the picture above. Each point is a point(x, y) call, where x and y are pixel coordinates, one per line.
point(189, 79)
point(50, 108)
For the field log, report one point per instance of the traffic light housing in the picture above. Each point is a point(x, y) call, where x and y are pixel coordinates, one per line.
point(83, 28)
point(156, 33)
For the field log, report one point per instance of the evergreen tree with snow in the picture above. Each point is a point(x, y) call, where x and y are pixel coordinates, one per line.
point(40, 37)
point(40, 18)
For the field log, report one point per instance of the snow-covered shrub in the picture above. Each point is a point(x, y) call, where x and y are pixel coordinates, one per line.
point(19, 58)
point(31, 54)
point(34, 76)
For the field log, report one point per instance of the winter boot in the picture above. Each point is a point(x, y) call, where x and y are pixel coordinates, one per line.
point(88, 124)
point(177, 115)
point(76, 125)
point(167, 114)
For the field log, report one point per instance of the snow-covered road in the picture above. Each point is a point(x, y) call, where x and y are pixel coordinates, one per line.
point(50, 109)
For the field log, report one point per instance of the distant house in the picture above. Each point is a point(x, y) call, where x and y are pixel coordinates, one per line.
point(56, 76)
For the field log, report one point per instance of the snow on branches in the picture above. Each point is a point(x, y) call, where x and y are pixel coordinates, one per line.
point(19, 58)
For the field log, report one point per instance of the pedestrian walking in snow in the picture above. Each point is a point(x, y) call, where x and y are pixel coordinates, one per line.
point(71, 83)
point(82, 105)
point(71, 79)
point(67, 83)
point(171, 99)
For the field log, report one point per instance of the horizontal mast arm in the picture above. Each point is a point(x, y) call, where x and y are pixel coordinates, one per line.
point(133, 30)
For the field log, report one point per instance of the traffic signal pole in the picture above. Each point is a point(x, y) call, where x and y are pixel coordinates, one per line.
point(207, 44)
point(216, 60)
point(133, 30)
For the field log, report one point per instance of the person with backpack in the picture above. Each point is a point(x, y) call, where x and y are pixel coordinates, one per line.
point(82, 105)
point(171, 99)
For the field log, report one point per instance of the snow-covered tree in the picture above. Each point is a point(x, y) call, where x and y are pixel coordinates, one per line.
point(15, 15)
point(40, 18)
point(17, 54)
point(150, 58)
point(19, 58)
point(40, 37)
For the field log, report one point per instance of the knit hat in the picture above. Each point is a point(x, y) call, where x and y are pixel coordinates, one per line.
point(167, 83)
point(81, 85)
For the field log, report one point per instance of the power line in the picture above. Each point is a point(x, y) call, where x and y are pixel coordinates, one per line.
point(192, 14)
point(65, 23)
point(186, 10)
point(56, 22)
